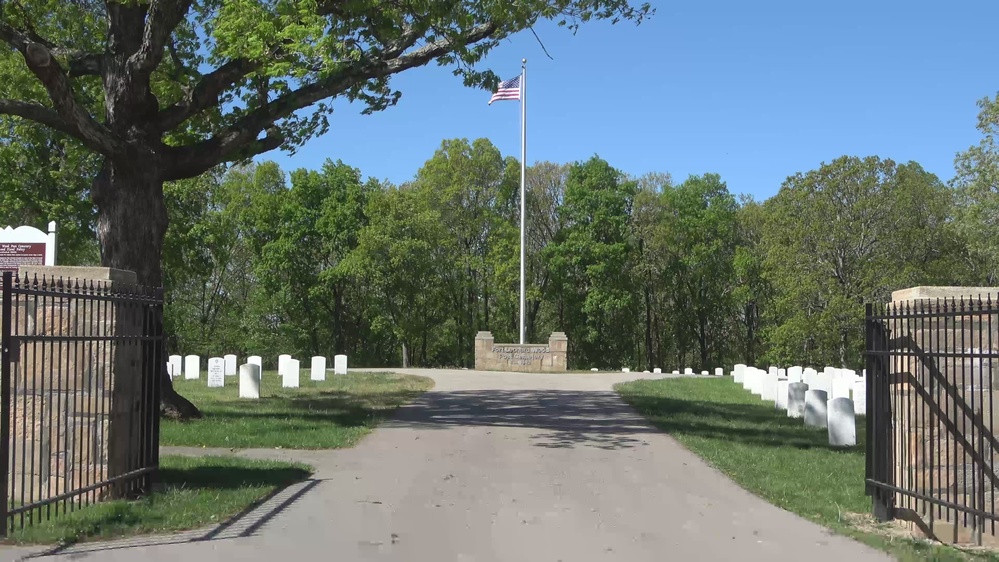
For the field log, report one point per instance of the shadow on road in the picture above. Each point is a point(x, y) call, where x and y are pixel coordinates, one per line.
point(563, 418)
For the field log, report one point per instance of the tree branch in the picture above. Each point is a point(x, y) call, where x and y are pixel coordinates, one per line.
point(75, 121)
point(80, 63)
point(206, 93)
point(199, 157)
point(162, 18)
point(37, 113)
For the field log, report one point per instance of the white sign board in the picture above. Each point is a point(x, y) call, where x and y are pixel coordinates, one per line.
point(27, 245)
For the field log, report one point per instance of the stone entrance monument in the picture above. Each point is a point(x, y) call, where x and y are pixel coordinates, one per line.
point(531, 358)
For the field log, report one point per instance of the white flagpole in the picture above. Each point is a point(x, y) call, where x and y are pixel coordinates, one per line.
point(523, 190)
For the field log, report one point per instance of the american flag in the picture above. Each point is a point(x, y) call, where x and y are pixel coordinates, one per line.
point(508, 90)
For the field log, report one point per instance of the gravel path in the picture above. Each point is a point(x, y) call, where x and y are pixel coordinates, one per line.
point(502, 467)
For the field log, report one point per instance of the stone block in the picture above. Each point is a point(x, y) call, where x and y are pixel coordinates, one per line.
point(491, 356)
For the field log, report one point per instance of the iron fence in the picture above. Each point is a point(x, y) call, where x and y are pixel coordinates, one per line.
point(931, 415)
point(81, 366)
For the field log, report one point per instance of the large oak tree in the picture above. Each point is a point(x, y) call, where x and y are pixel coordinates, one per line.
point(168, 89)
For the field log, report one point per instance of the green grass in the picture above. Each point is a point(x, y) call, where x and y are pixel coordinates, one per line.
point(330, 414)
point(776, 457)
point(192, 492)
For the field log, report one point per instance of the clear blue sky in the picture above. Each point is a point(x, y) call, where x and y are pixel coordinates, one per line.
point(753, 91)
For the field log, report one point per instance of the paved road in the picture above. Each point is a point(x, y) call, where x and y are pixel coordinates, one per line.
point(504, 467)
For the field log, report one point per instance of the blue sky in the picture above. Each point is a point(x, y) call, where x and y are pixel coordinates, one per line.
point(752, 91)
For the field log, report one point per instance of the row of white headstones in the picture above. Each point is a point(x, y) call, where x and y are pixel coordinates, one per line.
point(688, 371)
point(250, 373)
point(831, 399)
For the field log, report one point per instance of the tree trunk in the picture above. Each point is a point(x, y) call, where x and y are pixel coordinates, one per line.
point(405, 356)
point(131, 225)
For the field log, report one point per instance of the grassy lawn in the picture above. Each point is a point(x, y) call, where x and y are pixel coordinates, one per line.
point(775, 457)
point(195, 491)
point(330, 414)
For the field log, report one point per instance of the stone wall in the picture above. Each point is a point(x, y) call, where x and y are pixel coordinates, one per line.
point(940, 392)
point(64, 392)
point(530, 358)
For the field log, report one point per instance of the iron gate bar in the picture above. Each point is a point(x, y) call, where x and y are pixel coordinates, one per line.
point(7, 409)
point(102, 484)
point(930, 448)
point(63, 363)
point(926, 498)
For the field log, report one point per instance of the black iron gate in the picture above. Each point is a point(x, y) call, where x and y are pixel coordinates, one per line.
point(81, 366)
point(931, 448)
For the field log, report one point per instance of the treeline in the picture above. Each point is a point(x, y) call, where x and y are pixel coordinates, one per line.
point(638, 271)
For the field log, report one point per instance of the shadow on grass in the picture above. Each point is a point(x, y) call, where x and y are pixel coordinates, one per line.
point(343, 409)
point(228, 478)
point(745, 423)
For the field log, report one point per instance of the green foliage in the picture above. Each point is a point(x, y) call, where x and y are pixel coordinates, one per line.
point(977, 190)
point(848, 233)
point(590, 262)
point(46, 178)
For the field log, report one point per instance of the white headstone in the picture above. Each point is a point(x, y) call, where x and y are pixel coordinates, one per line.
point(283, 361)
point(756, 381)
point(249, 381)
point(782, 373)
point(340, 365)
point(291, 375)
point(808, 376)
point(657, 371)
point(841, 387)
point(676, 372)
point(739, 373)
point(796, 392)
point(594, 369)
point(688, 371)
point(860, 397)
point(822, 381)
point(216, 372)
point(256, 360)
point(719, 372)
point(318, 372)
point(842, 423)
point(192, 367)
point(815, 408)
point(794, 374)
point(625, 370)
point(769, 387)
point(748, 375)
point(230, 365)
point(781, 403)
point(772, 370)
point(704, 373)
point(178, 365)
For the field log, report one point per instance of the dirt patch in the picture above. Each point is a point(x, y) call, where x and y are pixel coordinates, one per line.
point(901, 530)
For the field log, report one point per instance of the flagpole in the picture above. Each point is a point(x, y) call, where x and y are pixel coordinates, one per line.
point(523, 189)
